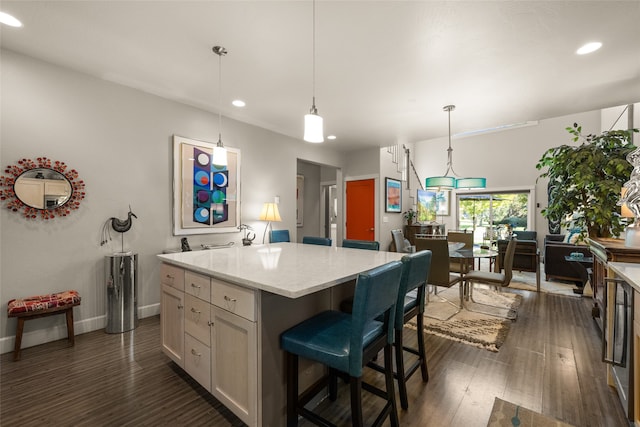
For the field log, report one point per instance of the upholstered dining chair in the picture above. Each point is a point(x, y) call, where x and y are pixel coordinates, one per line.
point(496, 279)
point(312, 240)
point(401, 244)
point(345, 343)
point(410, 305)
point(276, 236)
point(457, 265)
point(440, 273)
point(371, 245)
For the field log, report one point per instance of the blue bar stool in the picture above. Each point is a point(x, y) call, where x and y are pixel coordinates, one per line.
point(345, 343)
point(276, 236)
point(411, 303)
point(311, 240)
point(371, 245)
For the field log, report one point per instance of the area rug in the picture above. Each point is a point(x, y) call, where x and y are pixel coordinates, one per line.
point(506, 414)
point(477, 329)
point(527, 281)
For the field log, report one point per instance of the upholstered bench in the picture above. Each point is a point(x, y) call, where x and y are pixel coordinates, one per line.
point(41, 306)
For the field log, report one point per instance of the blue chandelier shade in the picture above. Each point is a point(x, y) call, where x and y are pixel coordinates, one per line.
point(440, 182)
point(469, 183)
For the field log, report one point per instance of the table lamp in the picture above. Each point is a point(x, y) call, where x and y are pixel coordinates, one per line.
point(269, 213)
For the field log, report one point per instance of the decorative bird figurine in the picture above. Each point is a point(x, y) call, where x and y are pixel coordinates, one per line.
point(123, 225)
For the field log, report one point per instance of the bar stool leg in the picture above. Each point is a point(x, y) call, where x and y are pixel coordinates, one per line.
point(402, 381)
point(292, 389)
point(421, 348)
point(356, 402)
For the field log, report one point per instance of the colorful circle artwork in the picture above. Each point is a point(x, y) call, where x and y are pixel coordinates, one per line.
point(203, 196)
point(203, 159)
point(218, 197)
point(220, 179)
point(201, 214)
point(201, 178)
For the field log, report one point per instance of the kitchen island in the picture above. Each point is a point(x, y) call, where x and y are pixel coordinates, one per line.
point(223, 310)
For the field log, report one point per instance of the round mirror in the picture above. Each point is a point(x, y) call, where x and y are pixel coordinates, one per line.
point(42, 188)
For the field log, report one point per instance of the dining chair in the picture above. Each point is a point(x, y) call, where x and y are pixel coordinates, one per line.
point(440, 273)
point(410, 305)
point(496, 279)
point(345, 343)
point(312, 240)
point(458, 265)
point(276, 236)
point(371, 245)
point(401, 244)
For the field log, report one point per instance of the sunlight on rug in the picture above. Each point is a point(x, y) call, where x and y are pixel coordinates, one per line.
point(506, 414)
point(527, 281)
point(477, 329)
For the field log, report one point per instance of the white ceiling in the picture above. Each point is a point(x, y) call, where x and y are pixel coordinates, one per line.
point(384, 69)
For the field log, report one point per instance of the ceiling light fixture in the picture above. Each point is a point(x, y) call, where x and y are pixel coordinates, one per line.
point(313, 122)
point(9, 20)
point(588, 48)
point(331, 137)
point(219, 152)
point(446, 182)
point(238, 103)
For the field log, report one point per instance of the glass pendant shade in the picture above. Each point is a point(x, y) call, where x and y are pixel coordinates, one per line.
point(313, 131)
point(469, 183)
point(219, 156)
point(440, 182)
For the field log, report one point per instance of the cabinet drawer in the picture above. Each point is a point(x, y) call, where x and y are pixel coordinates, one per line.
point(197, 285)
point(196, 318)
point(235, 299)
point(172, 276)
point(197, 361)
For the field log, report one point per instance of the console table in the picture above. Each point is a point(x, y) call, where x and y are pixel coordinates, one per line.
point(410, 231)
point(223, 310)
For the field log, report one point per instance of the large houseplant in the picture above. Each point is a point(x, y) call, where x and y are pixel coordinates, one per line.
point(585, 181)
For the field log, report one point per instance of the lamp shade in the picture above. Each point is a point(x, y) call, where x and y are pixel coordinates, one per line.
point(313, 131)
point(468, 183)
point(440, 182)
point(219, 156)
point(270, 212)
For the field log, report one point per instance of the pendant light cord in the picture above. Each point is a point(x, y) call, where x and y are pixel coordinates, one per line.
point(448, 109)
point(313, 61)
point(220, 51)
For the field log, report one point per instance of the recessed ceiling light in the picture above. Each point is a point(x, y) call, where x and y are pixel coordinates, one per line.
point(238, 103)
point(588, 48)
point(331, 137)
point(9, 20)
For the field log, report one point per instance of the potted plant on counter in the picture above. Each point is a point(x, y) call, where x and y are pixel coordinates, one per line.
point(410, 215)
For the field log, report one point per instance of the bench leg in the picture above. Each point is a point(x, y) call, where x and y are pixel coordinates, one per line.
point(19, 329)
point(70, 335)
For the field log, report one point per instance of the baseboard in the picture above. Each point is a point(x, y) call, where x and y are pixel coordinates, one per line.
point(54, 333)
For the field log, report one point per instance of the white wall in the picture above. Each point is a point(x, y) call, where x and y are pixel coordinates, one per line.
point(119, 140)
point(507, 159)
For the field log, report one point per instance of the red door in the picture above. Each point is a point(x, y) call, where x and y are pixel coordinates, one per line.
point(360, 209)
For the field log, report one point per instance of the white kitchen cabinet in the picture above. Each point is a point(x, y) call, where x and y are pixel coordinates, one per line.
point(172, 323)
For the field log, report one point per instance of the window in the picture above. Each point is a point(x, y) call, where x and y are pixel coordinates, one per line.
point(493, 216)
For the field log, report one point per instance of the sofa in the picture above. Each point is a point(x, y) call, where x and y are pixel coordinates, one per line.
point(555, 264)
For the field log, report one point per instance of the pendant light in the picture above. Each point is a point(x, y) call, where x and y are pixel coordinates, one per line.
point(219, 152)
point(446, 182)
point(313, 131)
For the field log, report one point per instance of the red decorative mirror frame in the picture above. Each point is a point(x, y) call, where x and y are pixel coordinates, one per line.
point(69, 202)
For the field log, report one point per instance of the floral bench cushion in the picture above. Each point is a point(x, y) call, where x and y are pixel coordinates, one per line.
point(42, 302)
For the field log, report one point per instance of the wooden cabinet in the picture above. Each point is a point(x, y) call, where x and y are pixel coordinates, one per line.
point(410, 231)
point(606, 250)
point(208, 328)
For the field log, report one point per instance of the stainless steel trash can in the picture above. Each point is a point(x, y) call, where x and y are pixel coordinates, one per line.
point(121, 272)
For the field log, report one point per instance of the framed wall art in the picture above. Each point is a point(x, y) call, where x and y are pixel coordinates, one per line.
point(206, 197)
point(432, 203)
point(392, 195)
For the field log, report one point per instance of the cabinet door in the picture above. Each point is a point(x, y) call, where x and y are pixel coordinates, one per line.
point(172, 323)
point(636, 365)
point(197, 361)
point(234, 363)
point(196, 318)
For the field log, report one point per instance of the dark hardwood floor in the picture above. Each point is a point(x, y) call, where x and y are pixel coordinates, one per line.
point(549, 363)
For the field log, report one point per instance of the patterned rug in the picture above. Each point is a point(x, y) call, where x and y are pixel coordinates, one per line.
point(478, 329)
point(506, 414)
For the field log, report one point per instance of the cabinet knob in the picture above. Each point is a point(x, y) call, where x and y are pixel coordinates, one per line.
point(180, 307)
point(193, 310)
point(226, 298)
point(196, 286)
point(210, 323)
point(195, 353)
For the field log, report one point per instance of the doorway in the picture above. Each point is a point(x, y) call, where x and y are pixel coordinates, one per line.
point(360, 215)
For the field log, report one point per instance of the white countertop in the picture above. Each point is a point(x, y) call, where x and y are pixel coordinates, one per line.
point(630, 272)
point(292, 270)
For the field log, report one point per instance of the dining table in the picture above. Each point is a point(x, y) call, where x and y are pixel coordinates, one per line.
point(467, 257)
